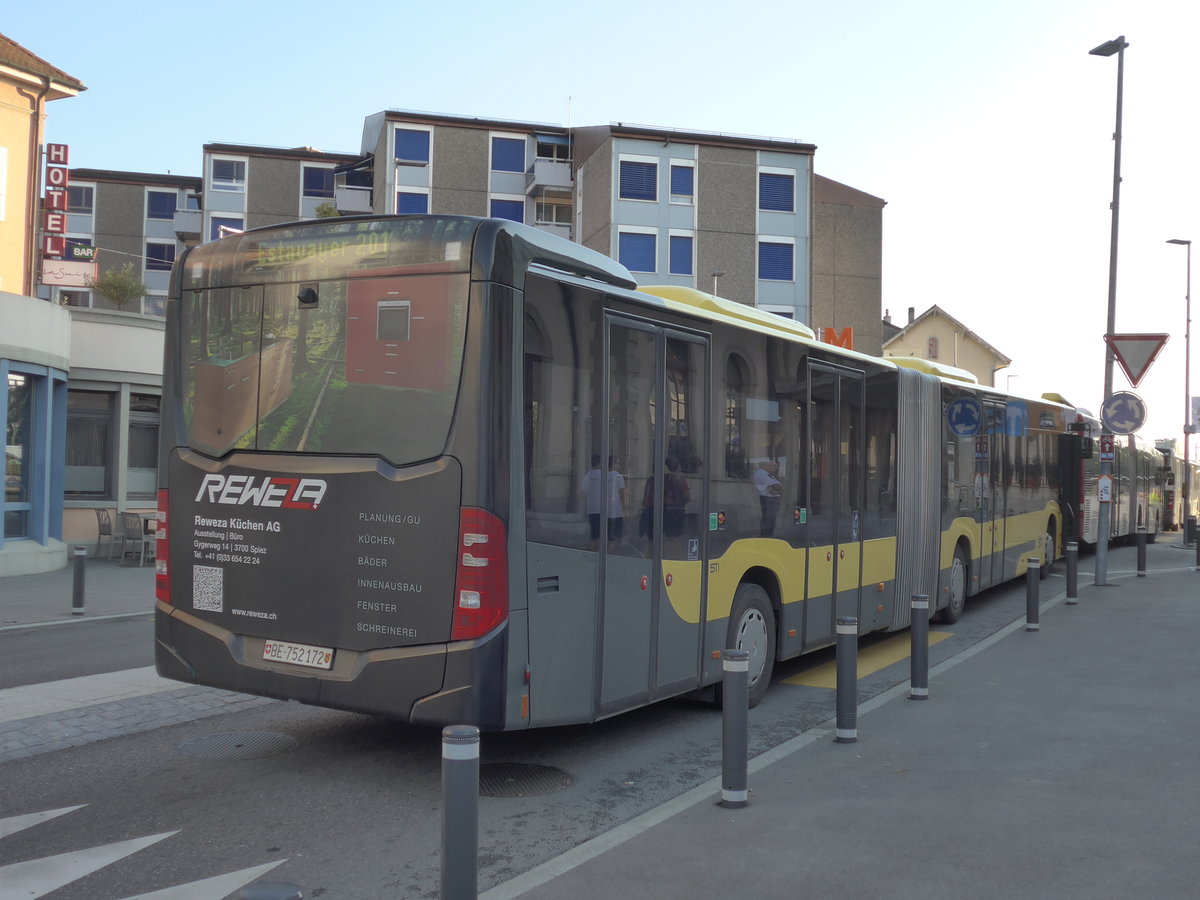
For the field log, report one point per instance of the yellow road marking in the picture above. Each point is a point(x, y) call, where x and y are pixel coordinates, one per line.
point(871, 659)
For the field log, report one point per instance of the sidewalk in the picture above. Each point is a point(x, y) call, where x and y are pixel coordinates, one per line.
point(1058, 763)
point(41, 718)
point(110, 589)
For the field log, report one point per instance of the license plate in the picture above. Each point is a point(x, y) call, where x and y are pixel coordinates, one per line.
point(298, 654)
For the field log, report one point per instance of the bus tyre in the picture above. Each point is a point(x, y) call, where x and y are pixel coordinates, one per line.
point(752, 628)
point(1048, 561)
point(957, 584)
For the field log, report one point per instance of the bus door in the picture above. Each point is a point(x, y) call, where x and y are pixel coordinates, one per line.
point(991, 493)
point(652, 599)
point(835, 491)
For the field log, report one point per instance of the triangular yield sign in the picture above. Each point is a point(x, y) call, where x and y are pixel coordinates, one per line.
point(1135, 352)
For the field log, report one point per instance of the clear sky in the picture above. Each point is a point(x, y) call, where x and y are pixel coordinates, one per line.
point(987, 127)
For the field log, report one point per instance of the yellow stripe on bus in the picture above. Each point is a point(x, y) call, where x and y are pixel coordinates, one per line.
point(870, 659)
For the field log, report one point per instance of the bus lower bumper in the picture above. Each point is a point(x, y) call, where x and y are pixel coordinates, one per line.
point(433, 684)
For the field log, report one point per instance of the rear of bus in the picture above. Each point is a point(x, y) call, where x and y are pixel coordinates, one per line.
point(329, 529)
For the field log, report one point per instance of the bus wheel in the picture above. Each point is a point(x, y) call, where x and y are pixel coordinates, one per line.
point(1044, 571)
point(752, 628)
point(953, 610)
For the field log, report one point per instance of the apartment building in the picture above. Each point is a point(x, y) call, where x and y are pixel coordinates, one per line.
point(729, 214)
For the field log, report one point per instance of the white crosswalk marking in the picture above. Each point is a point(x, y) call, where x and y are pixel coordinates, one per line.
point(38, 877)
point(13, 824)
point(210, 888)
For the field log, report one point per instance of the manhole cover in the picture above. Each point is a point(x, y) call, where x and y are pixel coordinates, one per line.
point(520, 780)
point(239, 745)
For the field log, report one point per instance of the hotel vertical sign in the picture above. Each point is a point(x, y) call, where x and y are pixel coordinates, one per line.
point(54, 203)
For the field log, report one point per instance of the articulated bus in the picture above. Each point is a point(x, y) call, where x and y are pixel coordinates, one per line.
point(1139, 499)
point(451, 469)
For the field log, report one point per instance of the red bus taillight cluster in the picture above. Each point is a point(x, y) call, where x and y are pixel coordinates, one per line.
point(481, 585)
point(162, 581)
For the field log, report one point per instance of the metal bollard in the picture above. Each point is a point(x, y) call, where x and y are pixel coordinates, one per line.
point(1197, 544)
point(1141, 552)
point(735, 728)
point(1032, 578)
point(847, 680)
point(1072, 573)
point(460, 812)
point(1189, 530)
point(80, 562)
point(919, 667)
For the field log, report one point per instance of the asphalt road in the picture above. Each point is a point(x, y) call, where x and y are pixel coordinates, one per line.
point(37, 655)
point(349, 805)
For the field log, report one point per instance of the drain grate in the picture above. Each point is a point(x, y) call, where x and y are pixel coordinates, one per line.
point(239, 745)
point(520, 780)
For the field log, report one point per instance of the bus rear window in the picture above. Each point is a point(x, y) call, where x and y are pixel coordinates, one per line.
point(373, 367)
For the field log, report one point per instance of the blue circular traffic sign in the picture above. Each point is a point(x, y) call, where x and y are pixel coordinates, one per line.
point(1123, 413)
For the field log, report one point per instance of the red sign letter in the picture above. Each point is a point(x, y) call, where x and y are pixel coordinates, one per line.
point(57, 154)
point(56, 200)
point(56, 176)
point(845, 339)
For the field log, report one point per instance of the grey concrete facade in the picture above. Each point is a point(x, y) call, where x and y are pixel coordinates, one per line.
point(847, 262)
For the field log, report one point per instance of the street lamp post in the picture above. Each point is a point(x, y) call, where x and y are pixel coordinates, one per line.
point(1187, 388)
point(1108, 48)
point(715, 276)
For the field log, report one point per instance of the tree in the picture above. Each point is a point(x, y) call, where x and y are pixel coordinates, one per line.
point(119, 286)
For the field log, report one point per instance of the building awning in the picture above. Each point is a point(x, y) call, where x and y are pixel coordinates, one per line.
point(561, 140)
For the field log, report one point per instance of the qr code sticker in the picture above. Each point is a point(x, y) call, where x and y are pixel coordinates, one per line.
point(208, 588)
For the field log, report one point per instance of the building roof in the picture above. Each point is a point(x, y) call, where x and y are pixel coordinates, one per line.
point(193, 182)
point(826, 190)
point(936, 310)
point(310, 153)
point(14, 56)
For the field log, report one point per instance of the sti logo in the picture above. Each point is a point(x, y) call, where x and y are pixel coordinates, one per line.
point(270, 490)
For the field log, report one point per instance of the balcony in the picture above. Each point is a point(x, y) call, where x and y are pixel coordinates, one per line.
point(548, 174)
point(187, 224)
point(351, 199)
point(563, 231)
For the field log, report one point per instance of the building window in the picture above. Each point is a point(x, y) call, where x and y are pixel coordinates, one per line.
point(143, 446)
point(412, 147)
point(228, 175)
point(776, 192)
point(637, 251)
point(639, 180)
point(18, 455)
point(776, 262)
point(681, 255)
point(409, 203)
point(508, 155)
point(79, 199)
point(933, 348)
point(551, 213)
point(318, 181)
point(160, 204)
point(218, 223)
point(89, 444)
point(159, 257)
point(509, 209)
point(554, 146)
point(79, 299)
point(683, 184)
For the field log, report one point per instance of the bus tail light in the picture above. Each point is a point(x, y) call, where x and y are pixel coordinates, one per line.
point(481, 586)
point(162, 581)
